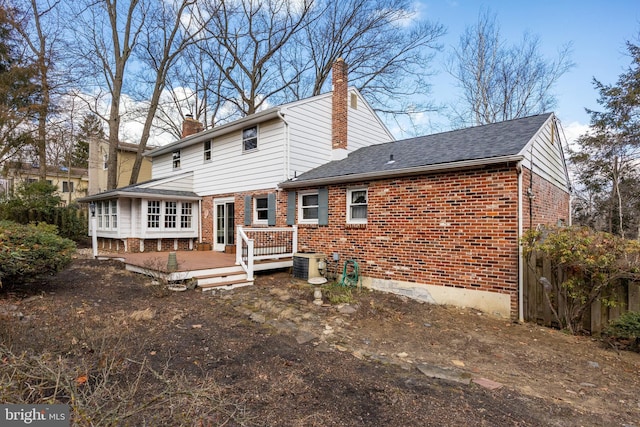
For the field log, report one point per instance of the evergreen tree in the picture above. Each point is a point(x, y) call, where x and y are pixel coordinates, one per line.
point(91, 128)
point(606, 158)
point(18, 93)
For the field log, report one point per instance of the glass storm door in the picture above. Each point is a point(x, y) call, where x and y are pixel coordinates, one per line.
point(224, 224)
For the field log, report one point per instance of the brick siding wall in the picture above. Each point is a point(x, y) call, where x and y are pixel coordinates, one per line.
point(456, 229)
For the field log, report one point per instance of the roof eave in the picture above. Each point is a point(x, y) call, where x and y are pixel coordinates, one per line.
point(132, 195)
point(369, 176)
point(239, 124)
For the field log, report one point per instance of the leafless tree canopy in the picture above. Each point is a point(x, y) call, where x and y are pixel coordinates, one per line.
point(500, 81)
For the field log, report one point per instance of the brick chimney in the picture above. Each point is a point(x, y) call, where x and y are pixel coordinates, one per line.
point(191, 126)
point(339, 109)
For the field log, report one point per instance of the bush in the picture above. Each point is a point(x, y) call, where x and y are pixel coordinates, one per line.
point(626, 329)
point(38, 202)
point(592, 264)
point(27, 251)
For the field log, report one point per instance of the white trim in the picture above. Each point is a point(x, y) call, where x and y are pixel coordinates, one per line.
point(301, 194)
point(252, 150)
point(254, 210)
point(349, 204)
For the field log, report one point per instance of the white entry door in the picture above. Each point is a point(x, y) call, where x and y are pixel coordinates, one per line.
point(223, 223)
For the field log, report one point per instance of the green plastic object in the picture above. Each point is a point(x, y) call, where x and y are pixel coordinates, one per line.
point(351, 274)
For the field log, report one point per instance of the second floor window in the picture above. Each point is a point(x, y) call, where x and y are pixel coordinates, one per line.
point(67, 186)
point(250, 138)
point(207, 151)
point(176, 159)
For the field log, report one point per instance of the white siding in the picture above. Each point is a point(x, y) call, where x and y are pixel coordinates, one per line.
point(310, 130)
point(545, 157)
point(124, 217)
point(233, 170)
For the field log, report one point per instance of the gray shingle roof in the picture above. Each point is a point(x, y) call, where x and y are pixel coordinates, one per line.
point(477, 143)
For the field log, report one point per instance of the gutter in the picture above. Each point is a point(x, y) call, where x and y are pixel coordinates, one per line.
point(366, 176)
point(111, 195)
point(216, 131)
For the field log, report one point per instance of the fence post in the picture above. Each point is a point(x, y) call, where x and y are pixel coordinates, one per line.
point(250, 260)
point(294, 239)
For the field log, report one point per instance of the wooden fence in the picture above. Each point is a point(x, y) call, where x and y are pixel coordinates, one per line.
point(537, 305)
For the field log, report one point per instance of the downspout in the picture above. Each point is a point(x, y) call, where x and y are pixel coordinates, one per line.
point(520, 255)
point(200, 221)
point(287, 159)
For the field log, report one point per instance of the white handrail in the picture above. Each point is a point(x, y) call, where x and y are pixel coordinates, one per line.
point(251, 256)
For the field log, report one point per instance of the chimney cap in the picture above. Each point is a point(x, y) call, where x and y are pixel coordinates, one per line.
point(188, 116)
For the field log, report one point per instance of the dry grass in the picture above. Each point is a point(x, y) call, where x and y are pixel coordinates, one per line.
point(103, 387)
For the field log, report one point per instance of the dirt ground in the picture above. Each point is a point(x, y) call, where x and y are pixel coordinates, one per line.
point(123, 352)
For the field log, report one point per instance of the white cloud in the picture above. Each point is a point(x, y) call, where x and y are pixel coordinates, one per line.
point(573, 131)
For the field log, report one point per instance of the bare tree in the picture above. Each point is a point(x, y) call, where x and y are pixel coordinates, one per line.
point(42, 30)
point(501, 82)
point(250, 34)
point(388, 51)
point(108, 31)
point(165, 35)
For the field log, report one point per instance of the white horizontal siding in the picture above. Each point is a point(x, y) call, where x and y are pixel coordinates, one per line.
point(310, 134)
point(311, 131)
point(544, 156)
point(364, 126)
point(232, 170)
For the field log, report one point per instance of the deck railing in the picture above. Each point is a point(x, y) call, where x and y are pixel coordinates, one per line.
point(254, 244)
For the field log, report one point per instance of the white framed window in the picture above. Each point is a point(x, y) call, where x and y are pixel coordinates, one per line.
point(186, 215)
point(107, 214)
point(357, 205)
point(207, 150)
point(308, 203)
point(99, 213)
point(170, 214)
point(176, 159)
point(153, 214)
point(105, 207)
point(250, 138)
point(260, 210)
point(114, 213)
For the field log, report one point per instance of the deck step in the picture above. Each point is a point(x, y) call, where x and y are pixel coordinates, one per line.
point(220, 278)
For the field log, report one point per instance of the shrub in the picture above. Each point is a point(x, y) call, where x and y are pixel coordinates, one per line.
point(592, 263)
point(27, 251)
point(38, 202)
point(626, 330)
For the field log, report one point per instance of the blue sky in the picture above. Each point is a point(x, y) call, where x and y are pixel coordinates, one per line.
point(598, 31)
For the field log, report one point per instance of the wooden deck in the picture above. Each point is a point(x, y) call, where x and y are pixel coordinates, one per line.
point(210, 269)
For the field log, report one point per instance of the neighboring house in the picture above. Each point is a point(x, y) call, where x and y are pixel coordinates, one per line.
point(98, 162)
point(209, 182)
point(438, 217)
point(72, 183)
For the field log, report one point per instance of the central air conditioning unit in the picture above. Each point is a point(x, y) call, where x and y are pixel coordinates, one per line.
point(308, 265)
